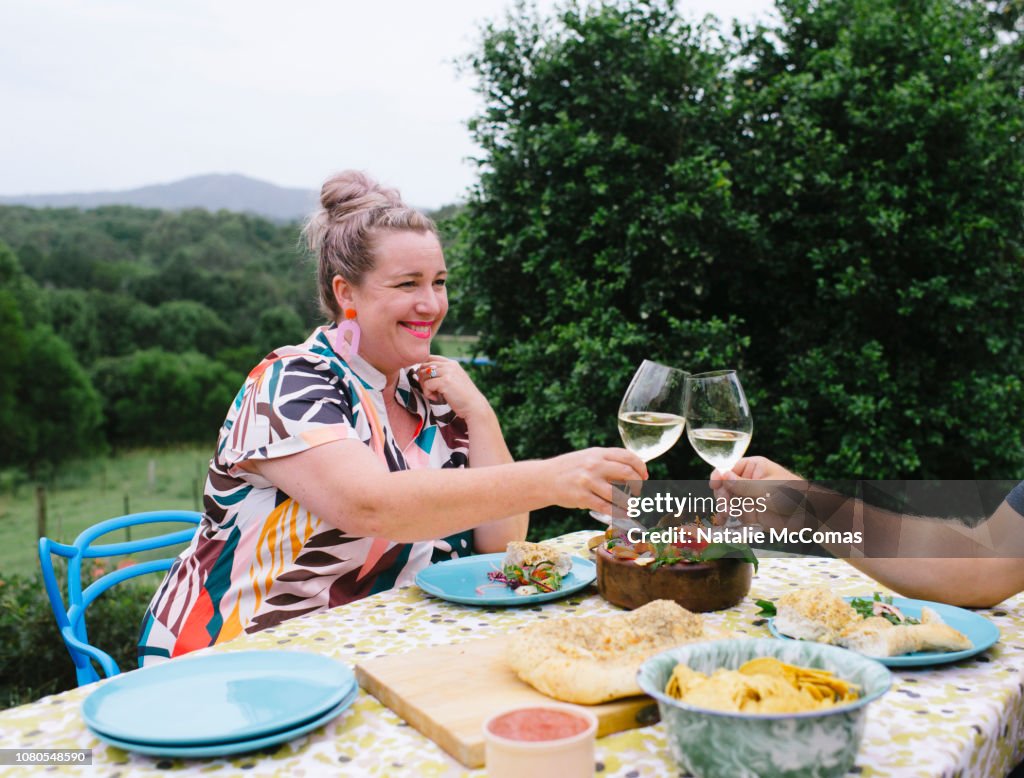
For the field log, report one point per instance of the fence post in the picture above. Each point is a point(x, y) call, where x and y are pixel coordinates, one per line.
point(40, 511)
point(127, 510)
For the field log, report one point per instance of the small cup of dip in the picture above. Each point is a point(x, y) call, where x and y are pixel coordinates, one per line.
point(546, 738)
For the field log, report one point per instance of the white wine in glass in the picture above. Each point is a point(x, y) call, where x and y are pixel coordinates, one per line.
point(649, 435)
point(719, 424)
point(651, 413)
point(721, 449)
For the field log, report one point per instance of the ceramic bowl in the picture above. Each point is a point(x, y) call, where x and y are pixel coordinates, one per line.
point(715, 744)
point(698, 587)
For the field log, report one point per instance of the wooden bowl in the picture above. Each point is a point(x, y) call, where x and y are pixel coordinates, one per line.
point(698, 587)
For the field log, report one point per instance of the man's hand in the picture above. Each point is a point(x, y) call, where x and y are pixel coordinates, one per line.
point(758, 477)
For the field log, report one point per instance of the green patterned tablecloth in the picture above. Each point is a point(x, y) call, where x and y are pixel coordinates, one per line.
point(964, 719)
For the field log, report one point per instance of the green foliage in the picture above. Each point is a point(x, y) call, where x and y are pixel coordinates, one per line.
point(879, 151)
point(58, 411)
point(25, 292)
point(116, 281)
point(49, 410)
point(13, 337)
point(154, 397)
point(601, 201)
point(185, 325)
point(832, 205)
point(33, 659)
point(75, 317)
point(278, 326)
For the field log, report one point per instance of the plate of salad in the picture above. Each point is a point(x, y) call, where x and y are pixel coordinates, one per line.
point(982, 633)
point(485, 580)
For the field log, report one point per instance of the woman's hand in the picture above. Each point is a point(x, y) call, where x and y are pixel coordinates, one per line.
point(583, 479)
point(444, 381)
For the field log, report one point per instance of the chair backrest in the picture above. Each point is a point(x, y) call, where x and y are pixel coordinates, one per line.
point(70, 614)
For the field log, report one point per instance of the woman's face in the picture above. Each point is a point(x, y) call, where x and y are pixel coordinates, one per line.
point(401, 303)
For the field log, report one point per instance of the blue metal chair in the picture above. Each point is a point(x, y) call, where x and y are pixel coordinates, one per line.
point(71, 616)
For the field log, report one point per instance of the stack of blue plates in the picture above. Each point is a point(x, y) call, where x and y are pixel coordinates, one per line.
point(219, 704)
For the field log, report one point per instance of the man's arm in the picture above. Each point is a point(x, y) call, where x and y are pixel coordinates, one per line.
point(920, 557)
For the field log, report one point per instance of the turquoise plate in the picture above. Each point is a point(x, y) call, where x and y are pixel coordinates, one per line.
point(234, 746)
point(465, 581)
point(979, 630)
point(217, 698)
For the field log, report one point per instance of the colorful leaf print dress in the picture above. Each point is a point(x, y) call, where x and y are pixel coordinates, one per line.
point(259, 557)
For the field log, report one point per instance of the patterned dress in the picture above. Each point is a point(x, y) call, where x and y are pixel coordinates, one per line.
point(259, 557)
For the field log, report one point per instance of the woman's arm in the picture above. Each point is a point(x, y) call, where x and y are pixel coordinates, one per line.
point(344, 483)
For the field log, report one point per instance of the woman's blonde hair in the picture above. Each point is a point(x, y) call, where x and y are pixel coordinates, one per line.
point(340, 232)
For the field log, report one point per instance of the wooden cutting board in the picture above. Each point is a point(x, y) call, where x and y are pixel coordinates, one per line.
point(447, 692)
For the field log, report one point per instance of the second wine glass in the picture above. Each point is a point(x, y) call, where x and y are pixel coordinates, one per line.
point(719, 424)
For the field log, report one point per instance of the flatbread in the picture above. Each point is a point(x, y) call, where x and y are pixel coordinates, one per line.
point(879, 637)
point(593, 659)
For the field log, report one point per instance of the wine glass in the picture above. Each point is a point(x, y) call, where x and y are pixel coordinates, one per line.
point(651, 413)
point(719, 424)
point(718, 417)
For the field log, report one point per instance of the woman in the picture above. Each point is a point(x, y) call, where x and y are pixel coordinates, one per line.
point(349, 463)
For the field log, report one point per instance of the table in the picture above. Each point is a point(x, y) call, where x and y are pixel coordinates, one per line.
point(965, 719)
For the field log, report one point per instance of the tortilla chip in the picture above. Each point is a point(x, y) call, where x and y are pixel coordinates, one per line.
point(762, 685)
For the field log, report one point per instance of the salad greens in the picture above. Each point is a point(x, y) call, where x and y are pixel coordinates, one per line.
point(767, 608)
point(682, 553)
point(868, 608)
point(542, 575)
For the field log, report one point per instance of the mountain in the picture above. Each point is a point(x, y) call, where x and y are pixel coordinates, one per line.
point(213, 192)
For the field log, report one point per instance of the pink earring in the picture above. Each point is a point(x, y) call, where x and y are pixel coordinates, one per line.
point(347, 348)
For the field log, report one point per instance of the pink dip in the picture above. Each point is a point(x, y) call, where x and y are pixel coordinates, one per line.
point(538, 724)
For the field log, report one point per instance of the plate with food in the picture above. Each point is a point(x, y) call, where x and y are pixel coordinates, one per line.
point(896, 631)
point(527, 573)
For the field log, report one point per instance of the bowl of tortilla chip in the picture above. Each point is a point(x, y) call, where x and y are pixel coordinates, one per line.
point(761, 708)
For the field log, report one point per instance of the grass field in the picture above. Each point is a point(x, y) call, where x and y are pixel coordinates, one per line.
point(453, 346)
point(85, 492)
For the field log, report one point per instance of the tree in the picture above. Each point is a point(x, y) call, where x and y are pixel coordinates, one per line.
point(58, 410)
point(13, 337)
point(880, 153)
point(603, 196)
point(153, 397)
point(73, 316)
point(26, 294)
point(49, 410)
point(278, 326)
point(832, 204)
point(185, 325)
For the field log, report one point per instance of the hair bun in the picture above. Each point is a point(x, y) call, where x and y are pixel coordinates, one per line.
point(352, 191)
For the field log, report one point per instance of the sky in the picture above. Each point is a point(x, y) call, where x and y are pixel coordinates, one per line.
point(114, 94)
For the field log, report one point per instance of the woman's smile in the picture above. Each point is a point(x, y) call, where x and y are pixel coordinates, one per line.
point(418, 329)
